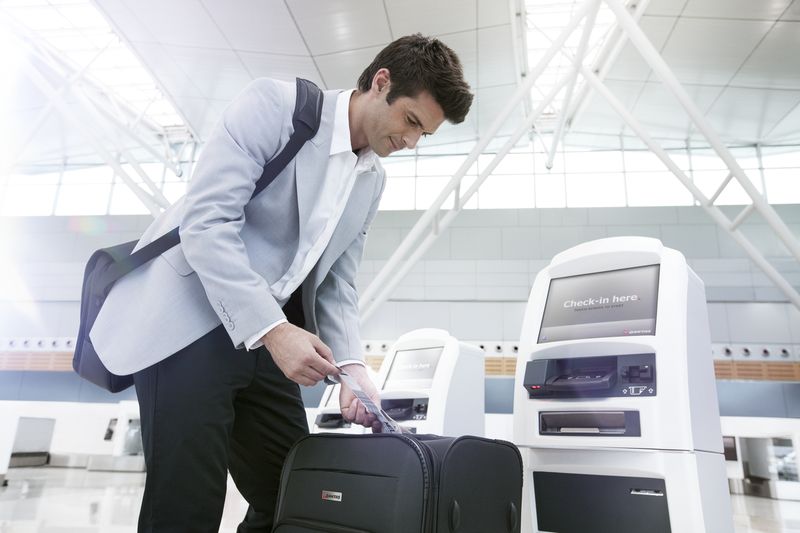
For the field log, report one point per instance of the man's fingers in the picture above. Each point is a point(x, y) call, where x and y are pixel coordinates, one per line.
point(323, 350)
point(325, 368)
point(313, 374)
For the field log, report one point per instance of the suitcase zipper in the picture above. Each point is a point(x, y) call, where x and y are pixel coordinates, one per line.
point(427, 490)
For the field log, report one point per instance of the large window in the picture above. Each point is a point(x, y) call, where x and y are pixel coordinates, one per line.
point(591, 178)
point(607, 178)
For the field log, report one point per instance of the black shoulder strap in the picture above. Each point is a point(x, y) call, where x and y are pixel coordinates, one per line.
point(306, 119)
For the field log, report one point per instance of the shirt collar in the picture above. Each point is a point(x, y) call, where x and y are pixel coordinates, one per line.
point(341, 124)
point(341, 130)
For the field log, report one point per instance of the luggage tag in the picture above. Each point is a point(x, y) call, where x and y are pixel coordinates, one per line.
point(387, 424)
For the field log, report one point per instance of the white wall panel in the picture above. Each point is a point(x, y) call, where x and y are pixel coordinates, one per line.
point(476, 243)
point(558, 239)
point(718, 321)
point(522, 242)
point(693, 241)
point(441, 248)
point(414, 315)
point(513, 313)
point(470, 317)
point(759, 322)
point(451, 293)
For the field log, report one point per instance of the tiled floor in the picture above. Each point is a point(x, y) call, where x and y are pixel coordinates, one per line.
point(60, 500)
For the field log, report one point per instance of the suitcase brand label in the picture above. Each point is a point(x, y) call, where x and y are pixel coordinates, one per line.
point(331, 496)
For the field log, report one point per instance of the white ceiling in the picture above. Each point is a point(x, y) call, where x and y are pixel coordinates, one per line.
point(738, 59)
point(204, 51)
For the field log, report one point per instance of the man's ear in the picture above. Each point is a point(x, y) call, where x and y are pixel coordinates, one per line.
point(381, 81)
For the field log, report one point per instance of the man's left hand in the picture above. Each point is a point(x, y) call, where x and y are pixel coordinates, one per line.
point(352, 409)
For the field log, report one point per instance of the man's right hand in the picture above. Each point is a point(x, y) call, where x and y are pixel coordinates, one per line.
point(301, 356)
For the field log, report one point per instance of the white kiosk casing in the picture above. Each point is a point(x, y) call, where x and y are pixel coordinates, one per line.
point(615, 378)
point(431, 383)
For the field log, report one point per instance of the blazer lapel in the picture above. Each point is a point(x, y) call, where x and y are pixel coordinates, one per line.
point(311, 162)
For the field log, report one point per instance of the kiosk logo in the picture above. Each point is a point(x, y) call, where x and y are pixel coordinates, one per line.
point(331, 496)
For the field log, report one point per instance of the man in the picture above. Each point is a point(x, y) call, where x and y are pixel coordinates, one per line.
point(204, 327)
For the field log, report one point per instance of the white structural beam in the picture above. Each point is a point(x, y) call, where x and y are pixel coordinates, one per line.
point(102, 99)
point(45, 113)
point(660, 67)
point(605, 61)
point(433, 221)
point(80, 124)
point(713, 211)
point(588, 27)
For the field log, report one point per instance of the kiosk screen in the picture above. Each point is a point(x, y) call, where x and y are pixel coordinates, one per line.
point(413, 368)
point(602, 304)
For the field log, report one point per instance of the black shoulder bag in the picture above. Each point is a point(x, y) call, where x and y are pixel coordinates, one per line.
point(107, 265)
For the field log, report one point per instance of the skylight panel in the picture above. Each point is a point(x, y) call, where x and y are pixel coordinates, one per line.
point(545, 20)
point(77, 31)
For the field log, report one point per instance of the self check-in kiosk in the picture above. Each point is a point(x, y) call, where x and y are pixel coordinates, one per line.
point(429, 382)
point(432, 383)
point(615, 407)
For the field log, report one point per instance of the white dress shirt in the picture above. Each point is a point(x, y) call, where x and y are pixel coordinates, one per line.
point(343, 170)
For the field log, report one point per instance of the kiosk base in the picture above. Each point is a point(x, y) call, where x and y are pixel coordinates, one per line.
point(572, 490)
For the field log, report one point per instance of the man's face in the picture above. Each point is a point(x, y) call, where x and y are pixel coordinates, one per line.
point(390, 128)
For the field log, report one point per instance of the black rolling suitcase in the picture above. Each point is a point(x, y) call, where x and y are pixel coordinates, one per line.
point(399, 483)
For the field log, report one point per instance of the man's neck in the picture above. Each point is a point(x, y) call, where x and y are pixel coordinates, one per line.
point(358, 139)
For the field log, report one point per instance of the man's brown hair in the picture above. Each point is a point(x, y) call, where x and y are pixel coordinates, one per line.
point(417, 63)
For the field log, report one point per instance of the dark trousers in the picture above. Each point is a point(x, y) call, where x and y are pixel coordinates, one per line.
point(207, 410)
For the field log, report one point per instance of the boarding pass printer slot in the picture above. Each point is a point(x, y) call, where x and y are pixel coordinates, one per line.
point(590, 423)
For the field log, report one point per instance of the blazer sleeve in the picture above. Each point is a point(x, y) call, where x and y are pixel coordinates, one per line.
point(337, 298)
point(248, 135)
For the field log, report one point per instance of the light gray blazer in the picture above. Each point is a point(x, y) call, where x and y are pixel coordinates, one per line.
point(232, 248)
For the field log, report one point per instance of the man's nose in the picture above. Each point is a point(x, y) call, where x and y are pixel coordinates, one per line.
point(411, 139)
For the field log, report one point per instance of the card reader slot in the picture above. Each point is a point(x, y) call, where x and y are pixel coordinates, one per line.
point(582, 380)
point(590, 423)
point(331, 421)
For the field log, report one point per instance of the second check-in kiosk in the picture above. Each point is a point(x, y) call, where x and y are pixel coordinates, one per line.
point(432, 383)
point(429, 382)
point(615, 407)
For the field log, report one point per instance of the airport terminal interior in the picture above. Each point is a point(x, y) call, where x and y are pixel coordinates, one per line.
point(600, 264)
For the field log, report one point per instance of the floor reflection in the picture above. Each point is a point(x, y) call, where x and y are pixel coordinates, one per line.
point(50, 500)
point(60, 500)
